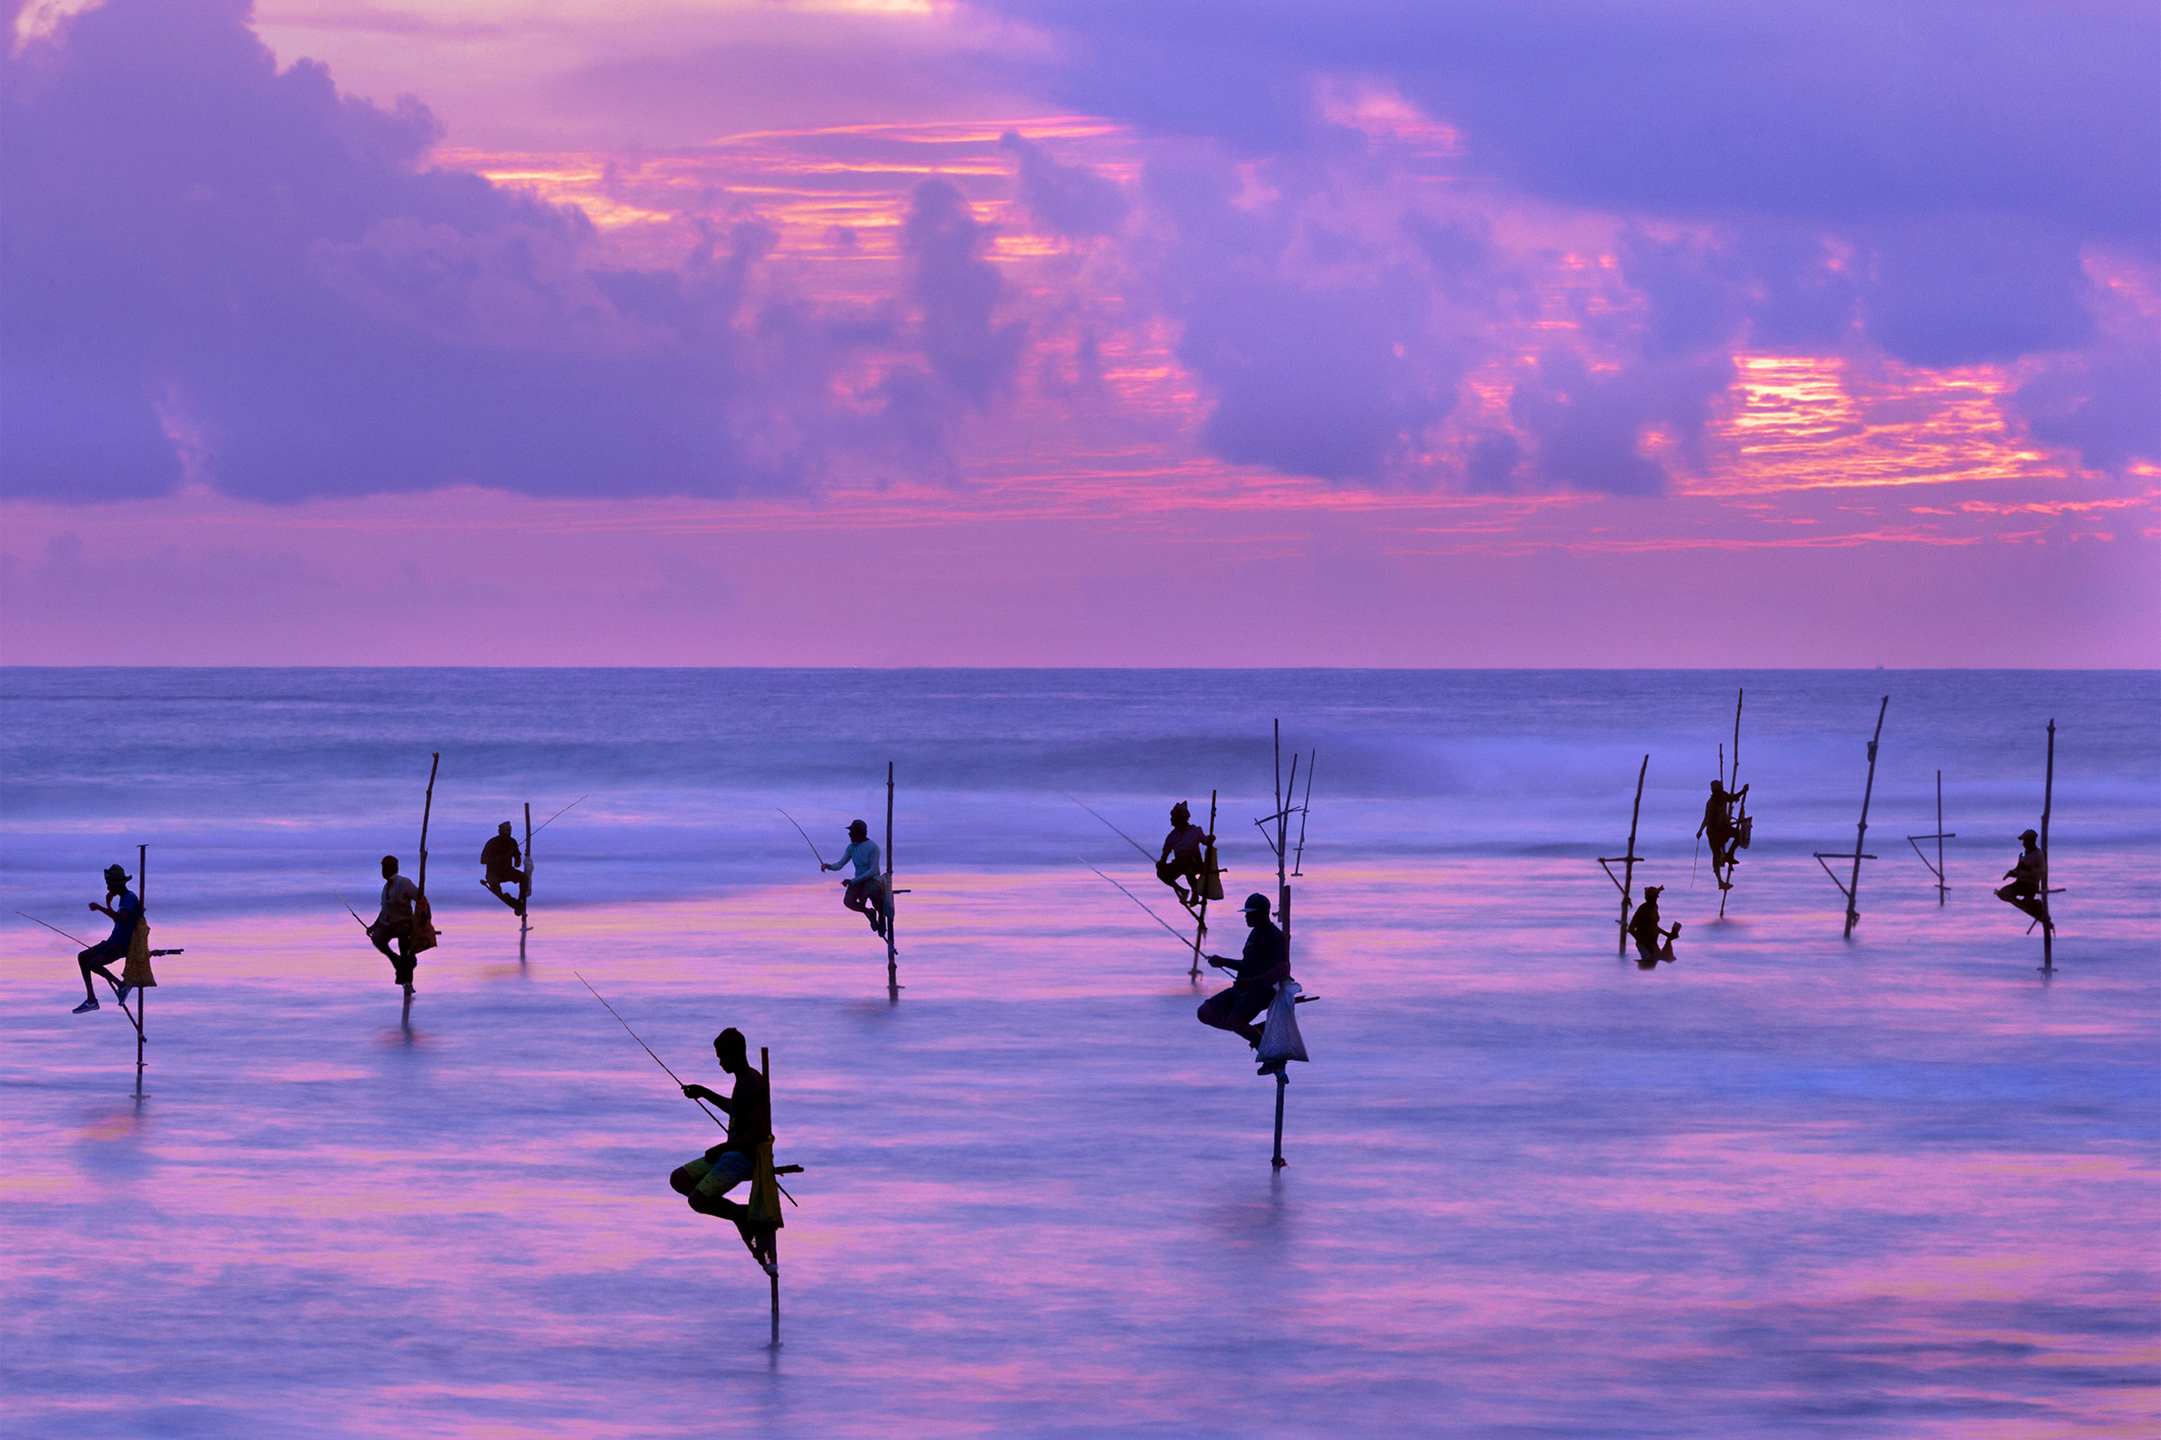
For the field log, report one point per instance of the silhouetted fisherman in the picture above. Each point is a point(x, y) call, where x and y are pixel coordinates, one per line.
point(1652, 943)
point(1724, 834)
point(1265, 964)
point(501, 856)
point(126, 911)
point(865, 894)
point(394, 922)
point(706, 1181)
point(1184, 856)
point(2024, 891)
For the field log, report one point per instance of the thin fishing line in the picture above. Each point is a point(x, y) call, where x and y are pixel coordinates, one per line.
point(1120, 834)
point(645, 1047)
point(1182, 941)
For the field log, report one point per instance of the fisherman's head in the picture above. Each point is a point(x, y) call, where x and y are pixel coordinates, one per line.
point(390, 866)
point(1652, 892)
point(116, 879)
point(1180, 813)
point(730, 1049)
point(503, 829)
point(2028, 836)
point(1256, 908)
point(857, 830)
point(1718, 787)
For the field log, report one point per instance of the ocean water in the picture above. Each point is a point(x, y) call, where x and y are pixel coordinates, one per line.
point(1791, 1184)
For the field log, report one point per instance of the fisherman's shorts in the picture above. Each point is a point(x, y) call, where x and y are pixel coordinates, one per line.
point(869, 888)
point(103, 953)
point(1177, 868)
point(712, 1176)
point(1233, 1009)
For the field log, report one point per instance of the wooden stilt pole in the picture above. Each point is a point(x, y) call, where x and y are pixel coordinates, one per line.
point(1200, 918)
point(1941, 835)
point(141, 1017)
point(765, 1072)
point(892, 904)
point(1283, 1083)
point(1740, 810)
point(525, 901)
point(1852, 886)
point(1625, 882)
point(2048, 805)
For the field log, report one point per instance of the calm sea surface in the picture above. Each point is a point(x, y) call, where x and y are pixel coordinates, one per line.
point(1789, 1185)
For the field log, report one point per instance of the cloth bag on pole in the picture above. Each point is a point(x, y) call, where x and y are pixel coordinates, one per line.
point(137, 971)
point(1280, 1039)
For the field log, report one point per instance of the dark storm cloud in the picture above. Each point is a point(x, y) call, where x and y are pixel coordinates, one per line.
point(213, 264)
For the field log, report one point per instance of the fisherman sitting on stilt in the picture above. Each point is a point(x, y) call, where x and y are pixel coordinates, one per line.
point(1653, 944)
point(1265, 964)
point(125, 911)
point(501, 856)
point(1184, 857)
point(1724, 834)
point(706, 1181)
point(865, 894)
point(2024, 891)
point(394, 923)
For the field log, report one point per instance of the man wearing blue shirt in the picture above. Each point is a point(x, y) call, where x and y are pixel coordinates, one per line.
point(866, 892)
point(125, 911)
point(1264, 964)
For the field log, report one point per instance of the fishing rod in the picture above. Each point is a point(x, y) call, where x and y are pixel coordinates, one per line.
point(54, 928)
point(1182, 941)
point(1121, 835)
point(562, 812)
point(351, 911)
point(806, 837)
point(648, 1050)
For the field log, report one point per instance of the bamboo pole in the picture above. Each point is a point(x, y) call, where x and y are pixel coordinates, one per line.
point(1740, 810)
point(2048, 805)
point(1305, 809)
point(1283, 1083)
point(765, 1072)
point(141, 1017)
point(892, 903)
point(1860, 834)
point(1200, 919)
point(427, 809)
point(525, 901)
point(1852, 887)
point(1626, 881)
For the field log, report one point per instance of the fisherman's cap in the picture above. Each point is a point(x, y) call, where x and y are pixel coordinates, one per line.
point(390, 859)
point(855, 825)
point(1256, 901)
point(504, 826)
point(1650, 890)
point(1181, 808)
point(112, 870)
point(2023, 835)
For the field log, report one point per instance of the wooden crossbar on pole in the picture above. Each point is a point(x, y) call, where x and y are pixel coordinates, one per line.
point(891, 902)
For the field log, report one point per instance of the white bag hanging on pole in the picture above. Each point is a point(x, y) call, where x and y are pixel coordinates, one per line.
point(1280, 1039)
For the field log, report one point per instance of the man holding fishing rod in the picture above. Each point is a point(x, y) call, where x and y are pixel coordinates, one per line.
point(1184, 857)
point(865, 894)
point(126, 912)
point(1265, 964)
point(394, 922)
point(705, 1182)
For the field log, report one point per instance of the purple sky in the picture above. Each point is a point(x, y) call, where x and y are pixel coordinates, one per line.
point(1042, 333)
